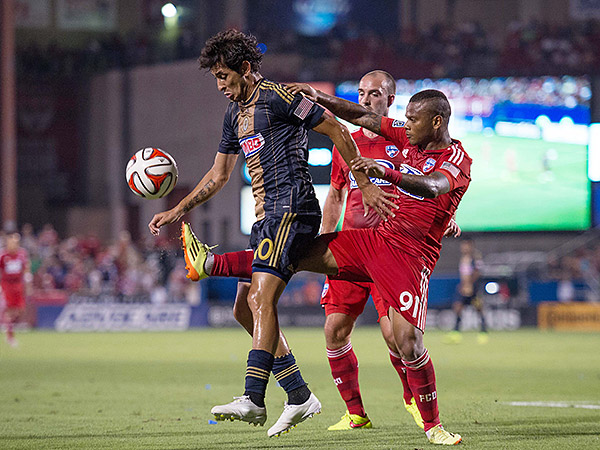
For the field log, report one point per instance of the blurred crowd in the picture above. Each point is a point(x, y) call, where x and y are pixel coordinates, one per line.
point(577, 274)
point(123, 271)
point(348, 51)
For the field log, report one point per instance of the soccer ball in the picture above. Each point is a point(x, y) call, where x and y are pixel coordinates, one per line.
point(151, 173)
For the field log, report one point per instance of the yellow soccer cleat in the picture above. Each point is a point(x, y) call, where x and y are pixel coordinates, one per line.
point(437, 435)
point(453, 337)
point(351, 422)
point(483, 338)
point(414, 411)
point(195, 253)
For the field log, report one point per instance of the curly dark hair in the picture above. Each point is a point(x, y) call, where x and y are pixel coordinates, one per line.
point(231, 48)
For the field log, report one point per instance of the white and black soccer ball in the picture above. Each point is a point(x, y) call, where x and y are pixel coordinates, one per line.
point(151, 173)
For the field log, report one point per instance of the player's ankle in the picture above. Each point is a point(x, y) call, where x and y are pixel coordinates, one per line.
point(298, 396)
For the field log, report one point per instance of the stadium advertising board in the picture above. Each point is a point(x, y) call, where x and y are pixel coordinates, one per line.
point(569, 316)
point(123, 317)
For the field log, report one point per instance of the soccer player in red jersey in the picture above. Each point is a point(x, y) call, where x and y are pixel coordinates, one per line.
point(14, 276)
point(343, 300)
point(399, 254)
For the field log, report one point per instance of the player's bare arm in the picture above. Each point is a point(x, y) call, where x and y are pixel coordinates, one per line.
point(352, 112)
point(209, 185)
point(428, 186)
point(332, 209)
point(373, 197)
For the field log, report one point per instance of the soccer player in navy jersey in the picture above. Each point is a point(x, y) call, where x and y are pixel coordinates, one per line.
point(400, 253)
point(270, 126)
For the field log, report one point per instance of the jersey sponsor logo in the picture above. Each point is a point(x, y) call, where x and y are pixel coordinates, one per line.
point(303, 108)
point(451, 168)
point(252, 144)
point(391, 150)
point(398, 123)
point(13, 266)
point(405, 168)
point(375, 181)
point(428, 164)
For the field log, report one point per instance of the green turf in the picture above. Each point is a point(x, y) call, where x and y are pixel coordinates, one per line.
point(510, 190)
point(154, 391)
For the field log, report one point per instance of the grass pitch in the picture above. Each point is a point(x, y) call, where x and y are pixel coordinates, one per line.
point(155, 391)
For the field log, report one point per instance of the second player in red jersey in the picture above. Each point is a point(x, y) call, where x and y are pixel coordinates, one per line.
point(14, 276)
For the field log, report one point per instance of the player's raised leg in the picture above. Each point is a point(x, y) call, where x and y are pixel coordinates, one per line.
point(421, 378)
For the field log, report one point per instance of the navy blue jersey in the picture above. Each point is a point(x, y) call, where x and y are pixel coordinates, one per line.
point(272, 130)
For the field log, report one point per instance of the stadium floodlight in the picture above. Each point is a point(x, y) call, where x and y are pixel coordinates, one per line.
point(169, 10)
point(492, 287)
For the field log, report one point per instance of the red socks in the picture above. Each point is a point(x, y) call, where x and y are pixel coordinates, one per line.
point(396, 360)
point(234, 264)
point(344, 369)
point(421, 379)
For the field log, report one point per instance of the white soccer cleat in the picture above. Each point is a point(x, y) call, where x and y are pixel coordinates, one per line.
point(241, 408)
point(292, 415)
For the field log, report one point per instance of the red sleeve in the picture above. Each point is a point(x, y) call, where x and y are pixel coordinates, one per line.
point(455, 164)
point(338, 180)
point(393, 130)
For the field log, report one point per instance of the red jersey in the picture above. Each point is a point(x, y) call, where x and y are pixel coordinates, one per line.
point(13, 266)
point(420, 222)
point(386, 154)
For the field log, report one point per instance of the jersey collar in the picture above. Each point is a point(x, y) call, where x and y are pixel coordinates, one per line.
point(253, 95)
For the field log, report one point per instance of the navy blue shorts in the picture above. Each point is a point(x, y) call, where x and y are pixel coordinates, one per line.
point(278, 242)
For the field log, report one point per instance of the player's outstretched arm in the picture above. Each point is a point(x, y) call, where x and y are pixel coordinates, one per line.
point(352, 112)
point(373, 197)
point(209, 185)
point(428, 186)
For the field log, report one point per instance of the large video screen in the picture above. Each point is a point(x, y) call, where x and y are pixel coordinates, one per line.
point(528, 138)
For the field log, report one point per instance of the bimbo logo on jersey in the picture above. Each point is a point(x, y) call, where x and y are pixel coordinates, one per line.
point(375, 181)
point(252, 144)
point(405, 168)
point(391, 150)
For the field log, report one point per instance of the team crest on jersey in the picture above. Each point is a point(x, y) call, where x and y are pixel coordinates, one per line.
point(409, 170)
point(398, 123)
point(375, 181)
point(428, 164)
point(252, 144)
point(391, 150)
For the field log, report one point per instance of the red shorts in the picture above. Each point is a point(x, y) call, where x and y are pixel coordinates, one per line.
point(401, 279)
point(14, 294)
point(350, 298)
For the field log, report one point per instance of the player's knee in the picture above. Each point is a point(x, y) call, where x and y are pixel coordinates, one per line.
point(411, 347)
point(337, 332)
